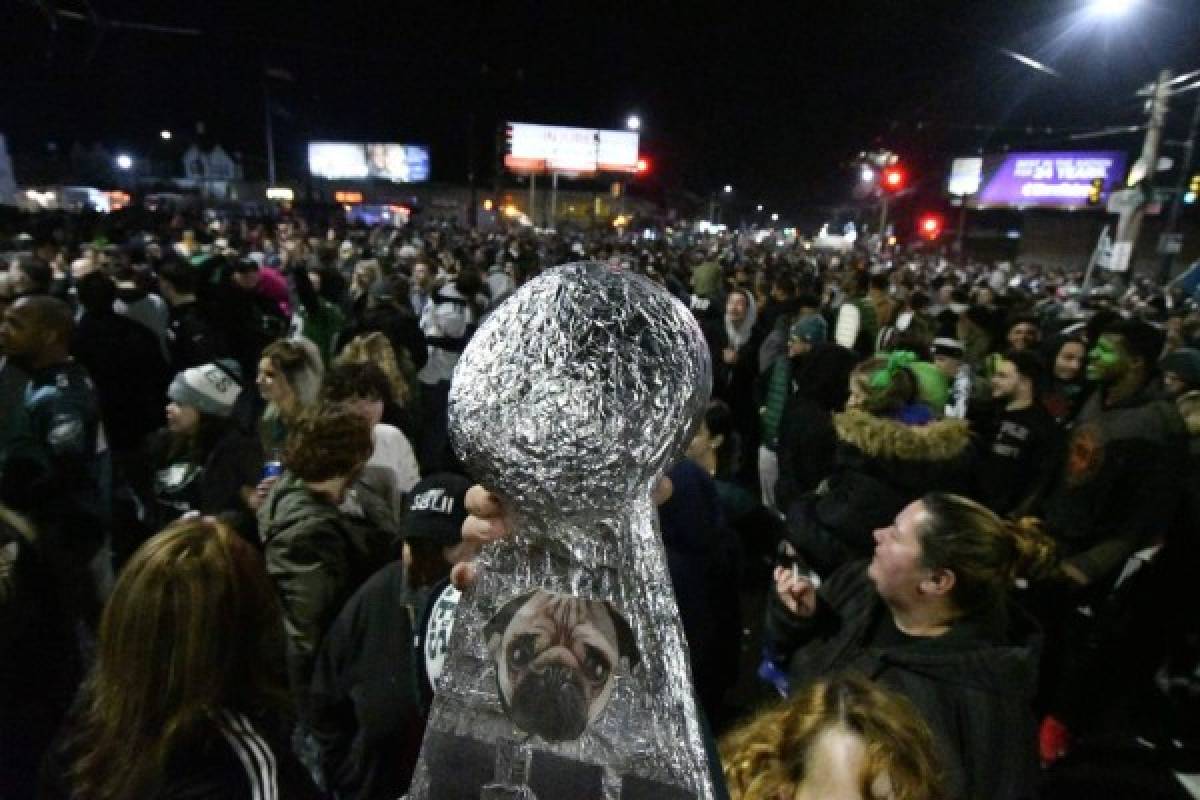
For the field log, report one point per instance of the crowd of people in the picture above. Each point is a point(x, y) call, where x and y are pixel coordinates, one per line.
point(229, 509)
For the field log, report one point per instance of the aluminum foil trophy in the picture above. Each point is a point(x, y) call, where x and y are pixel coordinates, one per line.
point(568, 673)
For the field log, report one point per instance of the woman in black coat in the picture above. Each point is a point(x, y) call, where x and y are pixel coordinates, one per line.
point(203, 460)
point(929, 618)
point(889, 451)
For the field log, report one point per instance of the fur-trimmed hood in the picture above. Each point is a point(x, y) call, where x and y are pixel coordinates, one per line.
point(882, 438)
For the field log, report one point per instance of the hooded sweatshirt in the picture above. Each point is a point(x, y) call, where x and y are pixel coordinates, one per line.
point(739, 334)
point(1120, 482)
point(973, 685)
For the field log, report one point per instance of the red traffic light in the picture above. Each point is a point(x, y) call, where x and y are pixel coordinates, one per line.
point(893, 179)
point(930, 226)
point(643, 166)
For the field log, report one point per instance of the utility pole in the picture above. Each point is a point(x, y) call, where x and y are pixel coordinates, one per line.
point(473, 199)
point(883, 209)
point(270, 133)
point(1185, 170)
point(1130, 221)
point(533, 198)
point(553, 200)
point(962, 229)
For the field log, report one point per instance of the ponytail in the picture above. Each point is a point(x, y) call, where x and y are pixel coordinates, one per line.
point(1036, 553)
point(986, 553)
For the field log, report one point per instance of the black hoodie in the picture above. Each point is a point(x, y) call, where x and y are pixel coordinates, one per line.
point(973, 685)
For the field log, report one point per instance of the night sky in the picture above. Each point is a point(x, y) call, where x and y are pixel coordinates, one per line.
point(774, 99)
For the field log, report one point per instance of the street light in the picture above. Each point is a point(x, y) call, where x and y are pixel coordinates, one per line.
point(728, 189)
point(758, 208)
point(1110, 8)
point(634, 122)
point(774, 217)
point(124, 161)
point(867, 175)
point(165, 135)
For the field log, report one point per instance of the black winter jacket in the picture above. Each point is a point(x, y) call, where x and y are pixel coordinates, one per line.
point(237, 757)
point(806, 435)
point(125, 361)
point(192, 338)
point(367, 709)
point(174, 484)
point(880, 466)
point(40, 667)
point(973, 685)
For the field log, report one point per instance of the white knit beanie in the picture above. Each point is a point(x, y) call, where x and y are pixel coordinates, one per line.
point(209, 388)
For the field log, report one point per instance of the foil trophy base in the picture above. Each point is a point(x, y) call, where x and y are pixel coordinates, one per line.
point(635, 734)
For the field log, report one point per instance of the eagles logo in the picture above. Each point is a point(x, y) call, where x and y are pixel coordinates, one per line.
point(1085, 454)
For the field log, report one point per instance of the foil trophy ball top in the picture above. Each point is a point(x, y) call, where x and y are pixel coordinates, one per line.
point(579, 390)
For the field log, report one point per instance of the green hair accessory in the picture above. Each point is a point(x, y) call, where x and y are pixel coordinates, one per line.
point(896, 362)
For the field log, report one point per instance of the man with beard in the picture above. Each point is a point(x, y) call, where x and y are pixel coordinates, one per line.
point(1118, 486)
point(1018, 462)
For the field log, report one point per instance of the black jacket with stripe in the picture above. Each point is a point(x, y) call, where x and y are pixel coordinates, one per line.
point(237, 758)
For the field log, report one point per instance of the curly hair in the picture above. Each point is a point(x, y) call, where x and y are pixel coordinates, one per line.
point(332, 443)
point(769, 756)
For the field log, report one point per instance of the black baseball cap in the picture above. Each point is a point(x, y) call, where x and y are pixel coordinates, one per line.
point(436, 509)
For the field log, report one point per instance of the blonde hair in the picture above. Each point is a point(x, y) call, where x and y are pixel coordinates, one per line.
point(370, 273)
point(374, 348)
point(299, 361)
point(767, 757)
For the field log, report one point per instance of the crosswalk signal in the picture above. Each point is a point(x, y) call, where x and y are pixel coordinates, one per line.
point(1094, 193)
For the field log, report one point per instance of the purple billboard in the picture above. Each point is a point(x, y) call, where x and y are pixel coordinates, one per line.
point(1064, 180)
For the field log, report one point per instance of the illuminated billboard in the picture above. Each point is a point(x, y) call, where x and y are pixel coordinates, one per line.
point(1056, 179)
point(553, 148)
point(965, 174)
point(399, 163)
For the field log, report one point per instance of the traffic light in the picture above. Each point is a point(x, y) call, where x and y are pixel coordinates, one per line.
point(643, 166)
point(930, 226)
point(894, 179)
point(1093, 198)
point(1193, 190)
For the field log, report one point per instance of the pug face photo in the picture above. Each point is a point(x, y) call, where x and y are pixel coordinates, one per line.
point(556, 657)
